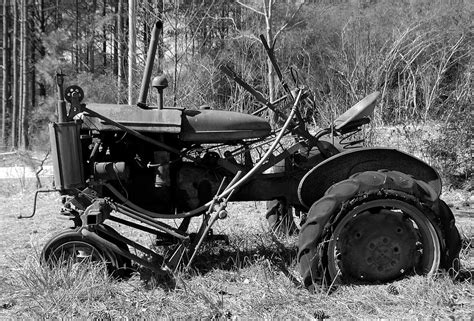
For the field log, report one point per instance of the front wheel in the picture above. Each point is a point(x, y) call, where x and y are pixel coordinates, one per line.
point(70, 247)
point(374, 227)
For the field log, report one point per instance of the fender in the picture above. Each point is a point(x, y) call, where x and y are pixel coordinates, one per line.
point(339, 167)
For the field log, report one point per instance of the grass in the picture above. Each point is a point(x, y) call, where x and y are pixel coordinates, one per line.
point(254, 276)
point(259, 290)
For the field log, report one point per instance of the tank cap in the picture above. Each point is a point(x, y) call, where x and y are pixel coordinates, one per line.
point(160, 82)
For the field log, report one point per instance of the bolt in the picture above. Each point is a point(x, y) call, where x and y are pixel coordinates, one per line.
point(222, 214)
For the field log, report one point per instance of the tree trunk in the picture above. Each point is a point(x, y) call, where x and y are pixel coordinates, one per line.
point(271, 71)
point(146, 29)
point(41, 49)
point(57, 16)
point(115, 41)
point(76, 40)
point(5, 72)
point(31, 74)
point(21, 74)
point(175, 76)
point(160, 8)
point(104, 36)
point(15, 103)
point(120, 39)
point(23, 123)
point(131, 47)
point(91, 51)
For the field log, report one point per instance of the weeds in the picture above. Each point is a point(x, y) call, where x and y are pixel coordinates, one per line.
point(62, 290)
point(256, 278)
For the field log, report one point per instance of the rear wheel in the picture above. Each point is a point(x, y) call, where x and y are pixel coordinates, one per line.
point(374, 227)
point(382, 240)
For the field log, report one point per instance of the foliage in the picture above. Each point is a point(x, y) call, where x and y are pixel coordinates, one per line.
point(418, 54)
point(452, 152)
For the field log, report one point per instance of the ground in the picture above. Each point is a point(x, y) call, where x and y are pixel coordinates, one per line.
point(254, 276)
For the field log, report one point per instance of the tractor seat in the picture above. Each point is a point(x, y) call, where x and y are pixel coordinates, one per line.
point(359, 111)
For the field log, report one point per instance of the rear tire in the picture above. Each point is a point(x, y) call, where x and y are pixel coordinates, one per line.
point(375, 227)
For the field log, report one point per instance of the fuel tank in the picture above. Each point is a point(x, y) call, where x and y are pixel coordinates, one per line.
point(201, 126)
point(213, 126)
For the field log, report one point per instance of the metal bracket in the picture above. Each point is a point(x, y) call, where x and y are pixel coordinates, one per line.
point(96, 213)
point(160, 270)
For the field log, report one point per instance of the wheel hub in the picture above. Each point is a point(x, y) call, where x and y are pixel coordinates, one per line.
point(78, 252)
point(382, 254)
point(378, 246)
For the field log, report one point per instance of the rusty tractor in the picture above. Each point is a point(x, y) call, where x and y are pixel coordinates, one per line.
point(368, 214)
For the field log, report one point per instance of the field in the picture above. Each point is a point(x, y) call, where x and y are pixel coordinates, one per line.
point(254, 276)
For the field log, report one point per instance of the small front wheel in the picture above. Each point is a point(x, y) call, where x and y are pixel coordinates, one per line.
point(70, 247)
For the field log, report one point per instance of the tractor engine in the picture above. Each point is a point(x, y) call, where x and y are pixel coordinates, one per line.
point(90, 152)
point(152, 179)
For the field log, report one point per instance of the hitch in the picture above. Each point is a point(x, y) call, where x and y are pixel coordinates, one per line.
point(96, 213)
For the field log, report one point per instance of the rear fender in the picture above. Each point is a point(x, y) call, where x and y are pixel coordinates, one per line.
point(339, 167)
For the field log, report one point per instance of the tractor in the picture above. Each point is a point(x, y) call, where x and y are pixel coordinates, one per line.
point(368, 215)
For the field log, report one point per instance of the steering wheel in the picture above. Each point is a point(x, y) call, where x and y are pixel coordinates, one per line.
point(73, 91)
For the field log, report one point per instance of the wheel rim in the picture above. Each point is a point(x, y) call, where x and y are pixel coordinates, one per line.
point(77, 252)
point(383, 240)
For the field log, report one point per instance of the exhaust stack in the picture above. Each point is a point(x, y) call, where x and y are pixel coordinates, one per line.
point(149, 65)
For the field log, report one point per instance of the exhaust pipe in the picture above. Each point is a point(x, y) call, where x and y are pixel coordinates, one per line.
point(61, 110)
point(149, 65)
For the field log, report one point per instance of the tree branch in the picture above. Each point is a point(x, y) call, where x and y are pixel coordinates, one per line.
point(250, 8)
point(40, 169)
point(288, 22)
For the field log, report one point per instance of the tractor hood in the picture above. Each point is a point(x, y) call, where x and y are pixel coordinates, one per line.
point(203, 126)
point(213, 126)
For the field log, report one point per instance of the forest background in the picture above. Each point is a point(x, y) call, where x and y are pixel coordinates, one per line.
point(417, 53)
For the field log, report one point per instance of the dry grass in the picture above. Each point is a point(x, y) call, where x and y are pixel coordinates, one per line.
point(448, 152)
point(254, 276)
